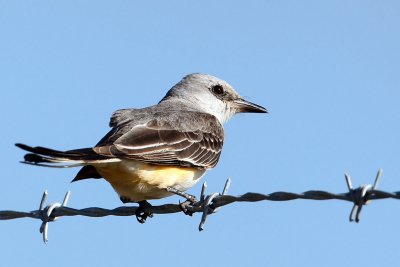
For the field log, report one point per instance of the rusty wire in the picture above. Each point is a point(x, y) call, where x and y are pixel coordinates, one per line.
point(208, 204)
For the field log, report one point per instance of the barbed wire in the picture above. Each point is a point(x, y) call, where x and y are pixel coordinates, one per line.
point(207, 205)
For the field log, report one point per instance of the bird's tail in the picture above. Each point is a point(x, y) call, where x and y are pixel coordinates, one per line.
point(47, 157)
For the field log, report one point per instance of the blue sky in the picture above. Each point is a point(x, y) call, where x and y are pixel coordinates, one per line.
point(328, 71)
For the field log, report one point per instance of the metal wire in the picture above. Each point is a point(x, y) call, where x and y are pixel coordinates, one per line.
point(208, 204)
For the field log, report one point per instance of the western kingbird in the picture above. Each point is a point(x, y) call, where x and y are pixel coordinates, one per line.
point(154, 152)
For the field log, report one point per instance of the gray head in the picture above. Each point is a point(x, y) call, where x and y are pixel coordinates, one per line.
point(211, 95)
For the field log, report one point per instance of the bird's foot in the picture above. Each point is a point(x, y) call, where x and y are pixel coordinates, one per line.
point(184, 207)
point(141, 213)
point(190, 200)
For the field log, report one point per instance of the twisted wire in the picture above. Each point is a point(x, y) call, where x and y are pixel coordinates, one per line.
point(208, 204)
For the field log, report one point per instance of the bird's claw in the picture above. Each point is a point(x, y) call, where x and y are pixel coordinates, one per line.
point(141, 216)
point(141, 213)
point(188, 203)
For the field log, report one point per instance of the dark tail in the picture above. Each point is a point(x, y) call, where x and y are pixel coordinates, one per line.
point(47, 157)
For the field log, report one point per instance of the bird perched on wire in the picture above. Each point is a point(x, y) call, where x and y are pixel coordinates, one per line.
point(157, 151)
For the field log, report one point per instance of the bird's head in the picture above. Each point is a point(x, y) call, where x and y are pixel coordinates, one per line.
point(210, 94)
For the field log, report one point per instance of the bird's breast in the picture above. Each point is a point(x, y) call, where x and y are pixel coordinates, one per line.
point(139, 181)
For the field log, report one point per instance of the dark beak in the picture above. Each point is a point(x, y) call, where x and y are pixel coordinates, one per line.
point(244, 106)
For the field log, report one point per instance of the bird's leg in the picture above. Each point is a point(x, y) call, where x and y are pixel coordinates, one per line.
point(188, 197)
point(190, 200)
point(141, 213)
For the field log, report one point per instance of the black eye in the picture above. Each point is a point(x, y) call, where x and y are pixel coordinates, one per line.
point(218, 89)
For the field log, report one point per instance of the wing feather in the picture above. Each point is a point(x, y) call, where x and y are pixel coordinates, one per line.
point(190, 140)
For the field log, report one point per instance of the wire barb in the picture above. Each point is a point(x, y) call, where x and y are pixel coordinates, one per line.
point(208, 204)
point(46, 213)
point(360, 196)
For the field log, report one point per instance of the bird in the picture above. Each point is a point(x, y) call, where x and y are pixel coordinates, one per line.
point(160, 150)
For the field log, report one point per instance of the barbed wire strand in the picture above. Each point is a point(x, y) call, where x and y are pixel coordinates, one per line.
point(207, 205)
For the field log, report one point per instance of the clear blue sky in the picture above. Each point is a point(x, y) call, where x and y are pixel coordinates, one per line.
point(328, 71)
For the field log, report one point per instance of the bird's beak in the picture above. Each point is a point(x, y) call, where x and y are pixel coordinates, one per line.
point(245, 106)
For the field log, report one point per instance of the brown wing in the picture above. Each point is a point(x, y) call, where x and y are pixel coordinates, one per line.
point(194, 140)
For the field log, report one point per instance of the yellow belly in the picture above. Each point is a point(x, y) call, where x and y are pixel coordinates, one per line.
point(138, 181)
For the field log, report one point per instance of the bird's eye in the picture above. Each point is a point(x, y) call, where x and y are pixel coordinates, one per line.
point(217, 89)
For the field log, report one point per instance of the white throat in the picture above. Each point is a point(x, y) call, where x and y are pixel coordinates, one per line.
point(221, 110)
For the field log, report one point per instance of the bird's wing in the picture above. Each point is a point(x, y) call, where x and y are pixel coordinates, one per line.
point(181, 139)
point(122, 115)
